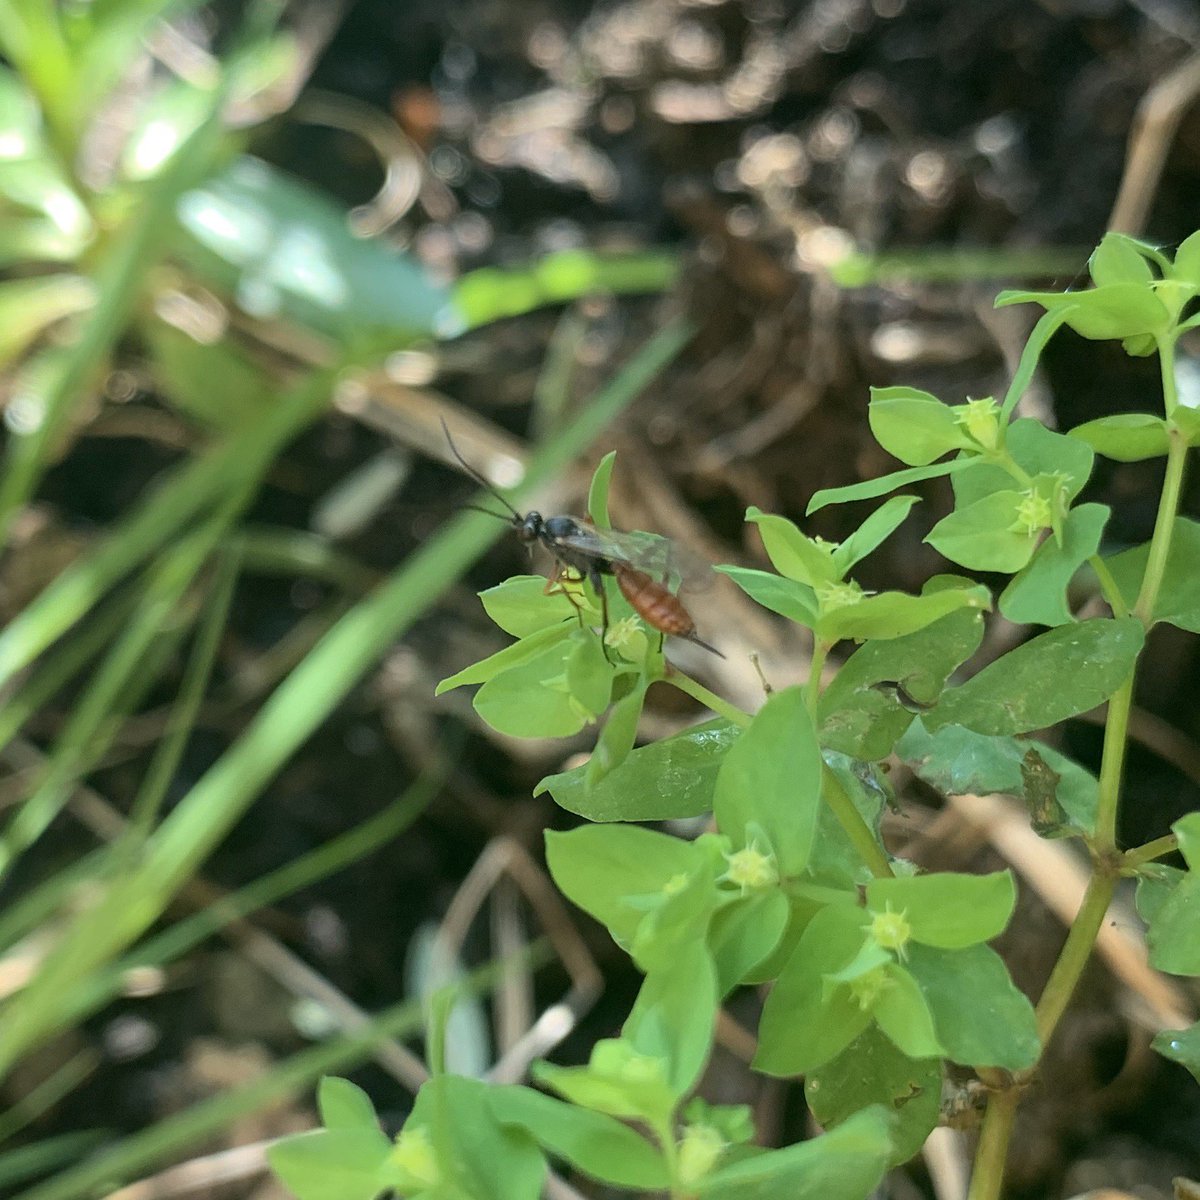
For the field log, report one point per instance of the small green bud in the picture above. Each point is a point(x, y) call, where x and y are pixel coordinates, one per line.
point(1033, 514)
point(699, 1150)
point(981, 420)
point(867, 988)
point(832, 596)
point(891, 930)
point(750, 869)
point(413, 1154)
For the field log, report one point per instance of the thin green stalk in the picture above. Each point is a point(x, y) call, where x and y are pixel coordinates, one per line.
point(1081, 939)
point(169, 751)
point(1112, 766)
point(992, 1151)
point(812, 689)
point(855, 828)
point(1164, 528)
point(710, 700)
point(1108, 586)
point(1159, 848)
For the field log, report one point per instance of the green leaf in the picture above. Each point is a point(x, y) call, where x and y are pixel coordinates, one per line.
point(597, 867)
point(845, 1164)
point(596, 1144)
point(863, 720)
point(1059, 793)
point(669, 779)
point(981, 1018)
point(286, 252)
point(868, 489)
point(1037, 595)
point(835, 862)
point(770, 780)
point(617, 738)
point(520, 652)
point(948, 910)
point(792, 554)
point(598, 492)
point(872, 1070)
point(521, 607)
point(875, 530)
point(1117, 310)
point(805, 1021)
point(981, 535)
point(744, 933)
point(1118, 259)
point(1125, 437)
point(915, 426)
point(343, 1105)
point(896, 614)
point(1181, 1046)
point(483, 1158)
point(332, 1164)
point(1172, 936)
point(589, 673)
point(617, 1080)
point(29, 306)
point(1155, 883)
point(1178, 600)
point(786, 597)
point(532, 699)
point(1059, 674)
point(903, 1016)
point(675, 1014)
point(1038, 451)
point(1187, 260)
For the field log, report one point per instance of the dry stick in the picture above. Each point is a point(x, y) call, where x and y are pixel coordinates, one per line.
point(1154, 127)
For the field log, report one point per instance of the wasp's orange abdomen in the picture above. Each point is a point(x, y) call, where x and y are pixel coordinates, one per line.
point(653, 602)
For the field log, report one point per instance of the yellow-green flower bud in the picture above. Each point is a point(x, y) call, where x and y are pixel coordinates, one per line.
point(867, 989)
point(413, 1154)
point(981, 420)
point(832, 596)
point(699, 1149)
point(891, 930)
point(1033, 514)
point(751, 869)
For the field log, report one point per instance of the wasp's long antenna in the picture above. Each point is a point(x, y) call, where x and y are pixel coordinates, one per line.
point(480, 508)
point(475, 475)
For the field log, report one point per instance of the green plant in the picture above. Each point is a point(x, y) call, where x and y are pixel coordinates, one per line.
point(879, 975)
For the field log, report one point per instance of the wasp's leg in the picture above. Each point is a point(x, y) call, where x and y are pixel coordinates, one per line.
point(555, 584)
point(597, 582)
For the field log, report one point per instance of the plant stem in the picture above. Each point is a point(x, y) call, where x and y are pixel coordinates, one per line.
point(993, 1145)
point(685, 683)
point(997, 1125)
point(1164, 527)
point(1108, 586)
point(855, 828)
point(1075, 952)
point(1112, 763)
point(1167, 844)
point(812, 689)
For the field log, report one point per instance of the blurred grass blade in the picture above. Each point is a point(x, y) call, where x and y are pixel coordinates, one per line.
point(39, 419)
point(326, 860)
point(169, 508)
point(126, 673)
point(297, 707)
point(297, 1074)
point(17, 1166)
point(169, 751)
point(40, 1099)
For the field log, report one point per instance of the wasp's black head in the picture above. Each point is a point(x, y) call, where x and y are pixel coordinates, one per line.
point(529, 528)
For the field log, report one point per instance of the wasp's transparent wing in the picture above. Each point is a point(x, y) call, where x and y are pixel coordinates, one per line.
point(650, 552)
